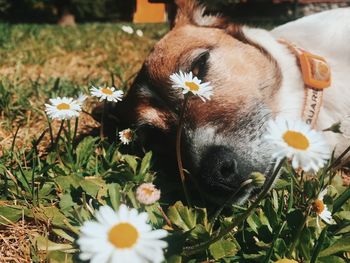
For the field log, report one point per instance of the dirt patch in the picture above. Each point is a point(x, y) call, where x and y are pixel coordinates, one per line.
point(15, 245)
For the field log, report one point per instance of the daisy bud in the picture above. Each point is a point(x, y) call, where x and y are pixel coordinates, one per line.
point(258, 179)
point(147, 194)
point(126, 136)
point(321, 209)
point(334, 128)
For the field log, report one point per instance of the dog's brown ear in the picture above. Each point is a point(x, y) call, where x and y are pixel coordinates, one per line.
point(191, 12)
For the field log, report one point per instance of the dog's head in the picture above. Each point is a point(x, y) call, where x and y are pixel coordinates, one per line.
point(222, 138)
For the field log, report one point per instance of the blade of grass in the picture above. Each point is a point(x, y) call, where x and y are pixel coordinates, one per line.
point(318, 245)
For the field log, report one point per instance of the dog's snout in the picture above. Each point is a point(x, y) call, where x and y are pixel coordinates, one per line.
point(219, 167)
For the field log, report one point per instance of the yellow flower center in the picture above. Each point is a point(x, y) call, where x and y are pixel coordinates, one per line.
point(123, 235)
point(107, 91)
point(296, 140)
point(318, 206)
point(127, 135)
point(63, 106)
point(147, 191)
point(192, 86)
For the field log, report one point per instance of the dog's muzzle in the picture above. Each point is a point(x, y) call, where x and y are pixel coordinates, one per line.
point(219, 171)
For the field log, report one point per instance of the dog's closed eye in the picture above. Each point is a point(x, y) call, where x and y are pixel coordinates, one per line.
point(199, 66)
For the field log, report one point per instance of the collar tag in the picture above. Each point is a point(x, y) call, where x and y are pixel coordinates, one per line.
point(316, 71)
point(316, 76)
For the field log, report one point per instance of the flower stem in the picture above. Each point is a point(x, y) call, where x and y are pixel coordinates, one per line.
point(338, 161)
point(228, 201)
point(50, 130)
point(188, 251)
point(103, 119)
point(69, 142)
point(58, 134)
point(178, 149)
point(75, 130)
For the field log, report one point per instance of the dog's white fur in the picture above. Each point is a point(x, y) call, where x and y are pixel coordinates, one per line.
point(326, 34)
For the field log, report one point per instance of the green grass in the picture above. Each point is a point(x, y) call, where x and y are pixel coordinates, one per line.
point(39, 62)
point(48, 189)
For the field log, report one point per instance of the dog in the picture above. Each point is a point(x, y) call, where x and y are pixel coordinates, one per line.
point(255, 77)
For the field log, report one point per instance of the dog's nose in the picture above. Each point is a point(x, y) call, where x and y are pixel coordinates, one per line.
point(219, 168)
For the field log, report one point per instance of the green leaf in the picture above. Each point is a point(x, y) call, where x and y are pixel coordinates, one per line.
point(155, 216)
point(295, 219)
point(271, 214)
point(310, 187)
point(331, 259)
point(280, 247)
point(344, 230)
point(10, 214)
point(44, 244)
point(340, 245)
point(343, 215)
point(281, 184)
point(66, 202)
point(114, 195)
point(200, 232)
point(254, 222)
point(345, 196)
point(132, 162)
point(146, 162)
point(91, 185)
point(222, 248)
point(85, 150)
point(306, 243)
point(51, 214)
point(63, 234)
point(66, 182)
point(186, 218)
point(22, 178)
point(59, 257)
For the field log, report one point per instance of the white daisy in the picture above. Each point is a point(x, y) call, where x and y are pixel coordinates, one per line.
point(189, 83)
point(123, 236)
point(63, 108)
point(297, 141)
point(128, 29)
point(321, 209)
point(81, 99)
point(126, 136)
point(139, 32)
point(108, 93)
point(147, 193)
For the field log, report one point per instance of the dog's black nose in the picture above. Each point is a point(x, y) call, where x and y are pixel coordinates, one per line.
point(218, 169)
